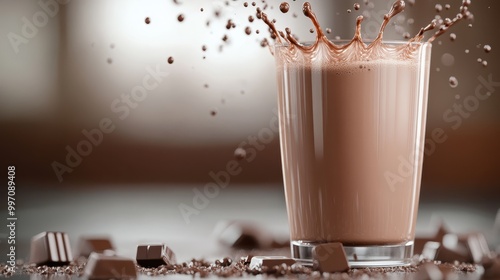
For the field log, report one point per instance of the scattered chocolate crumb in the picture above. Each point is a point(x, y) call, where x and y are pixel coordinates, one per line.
point(170, 60)
point(180, 18)
point(147, 20)
point(239, 267)
point(109, 60)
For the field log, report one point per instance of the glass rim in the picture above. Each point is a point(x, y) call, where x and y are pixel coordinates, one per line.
point(343, 42)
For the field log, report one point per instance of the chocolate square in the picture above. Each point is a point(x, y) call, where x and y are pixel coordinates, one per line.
point(51, 249)
point(100, 266)
point(87, 245)
point(154, 255)
point(330, 257)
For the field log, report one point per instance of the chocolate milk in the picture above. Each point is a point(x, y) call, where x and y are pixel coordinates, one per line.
point(352, 125)
point(346, 128)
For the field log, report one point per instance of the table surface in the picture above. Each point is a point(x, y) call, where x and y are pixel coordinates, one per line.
point(142, 214)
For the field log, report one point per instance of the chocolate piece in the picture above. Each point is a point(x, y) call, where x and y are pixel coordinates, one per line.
point(100, 266)
point(429, 271)
point(478, 247)
point(94, 244)
point(330, 257)
point(155, 255)
point(51, 249)
point(269, 261)
point(492, 270)
point(430, 250)
point(243, 235)
point(420, 242)
point(451, 251)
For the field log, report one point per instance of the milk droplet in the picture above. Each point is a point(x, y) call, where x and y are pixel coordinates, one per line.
point(438, 69)
point(328, 30)
point(457, 96)
point(479, 60)
point(438, 8)
point(487, 48)
point(349, 11)
point(447, 6)
point(485, 63)
point(240, 153)
point(406, 35)
point(453, 82)
point(447, 59)
point(356, 6)
point(467, 51)
point(410, 21)
point(453, 36)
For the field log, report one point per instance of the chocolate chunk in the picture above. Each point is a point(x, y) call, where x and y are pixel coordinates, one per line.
point(330, 257)
point(100, 266)
point(51, 249)
point(450, 250)
point(429, 271)
point(420, 242)
point(155, 255)
point(492, 270)
point(478, 247)
point(269, 261)
point(430, 250)
point(98, 245)
point(243, 235)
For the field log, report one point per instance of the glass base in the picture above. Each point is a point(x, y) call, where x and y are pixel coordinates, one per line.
point(360, 256)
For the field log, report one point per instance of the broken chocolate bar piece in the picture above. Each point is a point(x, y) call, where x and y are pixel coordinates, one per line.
point(330, 257)
point(269, 261)
point(478, 247)
point(243, 235)
point(154, 255)
point(51, 249)
point(420, 242)
point(429, 271)
point(430, 250)
point(492, 269)
point(100, 266)
point(87, 245)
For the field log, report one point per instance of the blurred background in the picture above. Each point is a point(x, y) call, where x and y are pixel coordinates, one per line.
point(67, 65)
point(88, 99)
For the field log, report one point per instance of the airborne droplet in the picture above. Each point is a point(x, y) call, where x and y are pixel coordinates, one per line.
point(453, 82)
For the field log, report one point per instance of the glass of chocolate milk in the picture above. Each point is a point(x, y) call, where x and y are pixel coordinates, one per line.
point(352, 125)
